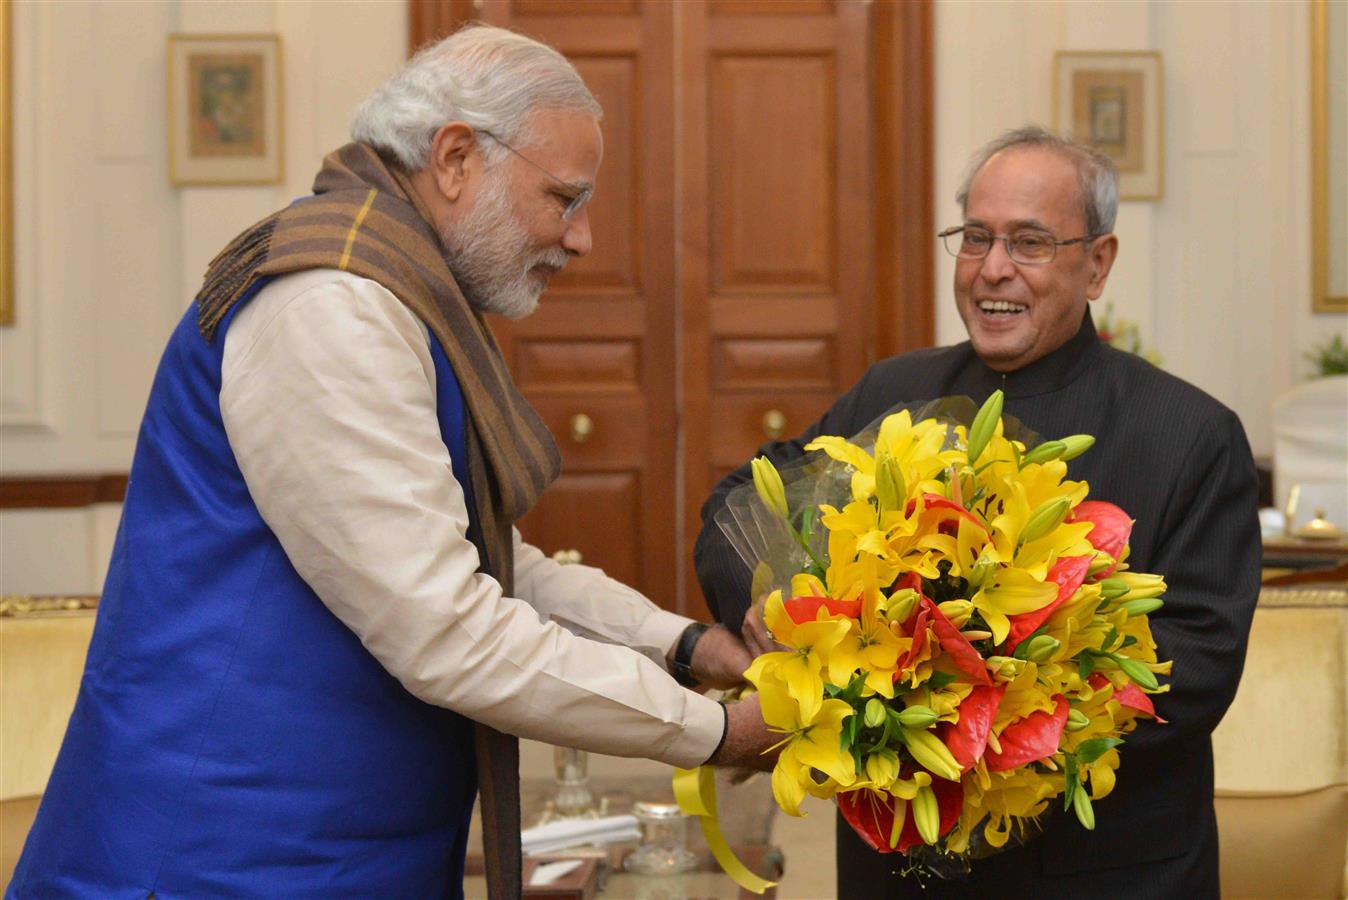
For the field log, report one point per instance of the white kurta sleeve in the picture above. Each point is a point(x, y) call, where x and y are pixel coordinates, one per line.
point(585, 601)
point(328, 398)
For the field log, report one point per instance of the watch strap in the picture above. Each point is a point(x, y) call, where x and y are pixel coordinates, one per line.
point(682, 667)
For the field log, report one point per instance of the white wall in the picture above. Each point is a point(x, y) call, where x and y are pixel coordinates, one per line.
point(108, 253)
point(1217, 272)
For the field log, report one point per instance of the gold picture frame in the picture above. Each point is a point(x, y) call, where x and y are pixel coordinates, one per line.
point(1329, 156)
point(6, 168)
point(1113, 100)
point(225, 110)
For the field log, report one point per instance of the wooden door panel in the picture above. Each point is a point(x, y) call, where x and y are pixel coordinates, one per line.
point(586, 511)
point(578, 367)
point(753, 364)
point(773, 177)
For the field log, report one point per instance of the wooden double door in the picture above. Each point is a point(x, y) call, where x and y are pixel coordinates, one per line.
point(757, 242)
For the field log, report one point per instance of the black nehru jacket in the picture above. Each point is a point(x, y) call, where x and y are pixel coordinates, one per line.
point(1178, 462)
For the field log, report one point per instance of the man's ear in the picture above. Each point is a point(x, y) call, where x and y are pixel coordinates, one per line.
point(454, 158)
point(1101, 260)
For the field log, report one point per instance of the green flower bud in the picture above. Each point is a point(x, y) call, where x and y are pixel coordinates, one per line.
point(1137, 671)
point(1077, 720)
point(981, 571)
point(1076, 445)
point(1042, 647)
point(875, 713)
point(1045, 452)
point(984, 426)
point(1046, 517)
point(1113, 588)
point(918, 717)
point(1143, 606)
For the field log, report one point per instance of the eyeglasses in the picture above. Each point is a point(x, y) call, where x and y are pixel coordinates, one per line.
point(1031, 248)
point(574, 200)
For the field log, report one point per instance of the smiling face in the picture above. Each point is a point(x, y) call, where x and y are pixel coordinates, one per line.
point(1017, 313)
point(504, 234)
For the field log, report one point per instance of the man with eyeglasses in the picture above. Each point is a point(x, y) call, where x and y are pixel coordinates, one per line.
point(1035, 247)
point(320, 631)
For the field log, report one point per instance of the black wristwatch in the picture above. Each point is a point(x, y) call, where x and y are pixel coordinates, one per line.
point(682, 667)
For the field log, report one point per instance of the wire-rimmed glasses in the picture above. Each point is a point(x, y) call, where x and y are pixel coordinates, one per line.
point(575, 195)
point(1029, 247)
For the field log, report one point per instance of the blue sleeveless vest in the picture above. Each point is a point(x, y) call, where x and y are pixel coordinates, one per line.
point(232, 738)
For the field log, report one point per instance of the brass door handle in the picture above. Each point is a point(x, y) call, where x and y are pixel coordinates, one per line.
point(566, 557)
point(774, 424)
point(582, 427)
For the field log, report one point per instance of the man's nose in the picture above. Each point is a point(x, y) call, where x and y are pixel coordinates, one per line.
point(576, 240)
point(997, 265)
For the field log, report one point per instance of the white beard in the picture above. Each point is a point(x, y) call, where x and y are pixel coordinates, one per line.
point(491, 255)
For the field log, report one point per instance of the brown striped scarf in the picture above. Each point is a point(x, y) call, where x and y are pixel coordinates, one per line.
point(366, 219)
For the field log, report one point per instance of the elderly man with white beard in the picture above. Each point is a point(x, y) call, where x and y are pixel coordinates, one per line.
point(320, 631)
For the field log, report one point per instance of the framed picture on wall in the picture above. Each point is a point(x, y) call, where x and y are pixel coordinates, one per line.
point(224, 109)
point(1112, 100)
point(1329, 155)
point(6, 175)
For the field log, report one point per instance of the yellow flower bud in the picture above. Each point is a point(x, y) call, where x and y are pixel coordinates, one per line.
point(930, 753)
point(1081, 803)
point(882, 769)
point(890, 490)
point(927, 815)
point(875, 713)
point(768, 483)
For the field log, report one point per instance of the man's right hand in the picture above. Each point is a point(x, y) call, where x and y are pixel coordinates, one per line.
point(755, 632)
point(747, 740)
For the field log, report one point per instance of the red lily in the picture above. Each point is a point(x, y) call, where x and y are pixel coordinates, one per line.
point(1069, 572)
point(1032, 738)
point(806, 609)
point(1111, 531)
point(871, 815)
point(1130, 696)
point(968, 738)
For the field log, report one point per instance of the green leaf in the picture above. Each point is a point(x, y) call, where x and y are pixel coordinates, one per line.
point(1086, 664)
point(940, 680)
point(1089, 751)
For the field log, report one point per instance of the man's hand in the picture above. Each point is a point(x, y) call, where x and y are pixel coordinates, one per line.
point(720, 658)
point(755, 632)
point(747, 738)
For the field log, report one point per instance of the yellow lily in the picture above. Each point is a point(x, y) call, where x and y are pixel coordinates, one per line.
point(813, 741)
point(870, 646)
point(799, 668)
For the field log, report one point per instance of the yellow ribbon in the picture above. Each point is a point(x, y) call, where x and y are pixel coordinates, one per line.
point(695, 790)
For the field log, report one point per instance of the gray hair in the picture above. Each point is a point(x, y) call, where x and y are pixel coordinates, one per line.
point(490, 78)
point(1097, 176)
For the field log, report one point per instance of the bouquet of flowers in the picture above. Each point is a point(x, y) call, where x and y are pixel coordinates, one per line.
point(965, 642)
